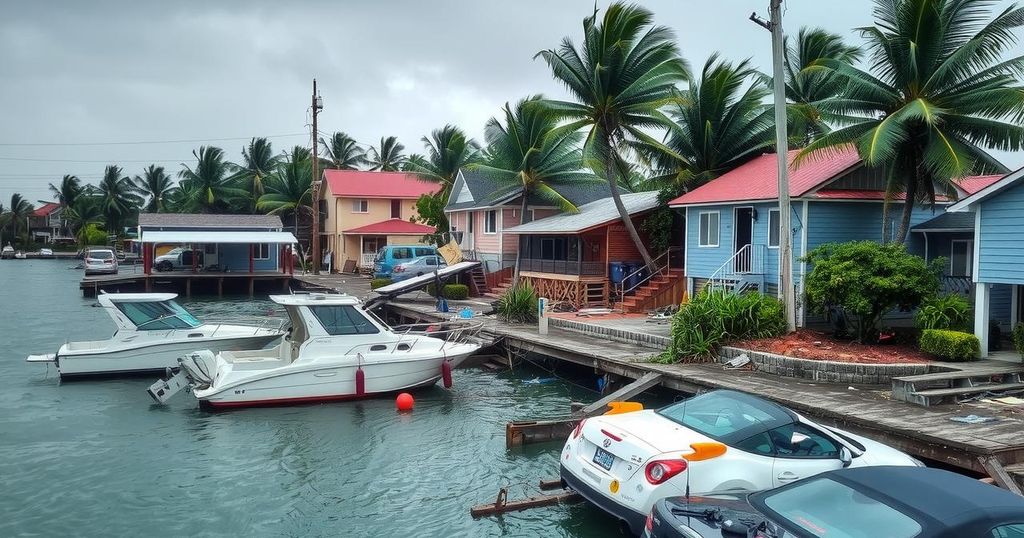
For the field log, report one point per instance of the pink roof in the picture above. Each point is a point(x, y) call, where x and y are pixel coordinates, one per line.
point(973, 184)
point(853, 194)
point(392, 227)
point(45, 209)
point(364, 184)
point(758, 179)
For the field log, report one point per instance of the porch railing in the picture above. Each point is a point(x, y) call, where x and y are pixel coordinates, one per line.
point(957, 284)
point(562, 267)
point(748, 260)
point(661, 266)
point(366, 260)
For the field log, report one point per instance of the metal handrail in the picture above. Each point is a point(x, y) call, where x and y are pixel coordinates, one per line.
point(258, 323)
point(746, 261)
point(661, 267)
point(458, 331)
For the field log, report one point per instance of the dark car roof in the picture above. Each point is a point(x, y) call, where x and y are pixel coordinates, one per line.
point(780, 416)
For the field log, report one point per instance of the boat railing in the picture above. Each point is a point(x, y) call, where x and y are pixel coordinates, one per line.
point(455, 331)
point(258, 323)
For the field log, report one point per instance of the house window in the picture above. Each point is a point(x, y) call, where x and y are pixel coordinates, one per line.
point(773, 228)
point(261, 251)
point(491, 222)
point(396, 209)
point(471, 217)
point(361, 206)
point(961, 257)
point(708, 229)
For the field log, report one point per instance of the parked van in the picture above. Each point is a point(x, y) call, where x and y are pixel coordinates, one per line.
point(391, 255)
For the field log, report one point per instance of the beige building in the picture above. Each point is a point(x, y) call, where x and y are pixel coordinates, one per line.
point(367, 210)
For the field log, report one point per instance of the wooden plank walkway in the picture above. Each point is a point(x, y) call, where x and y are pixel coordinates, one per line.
point(924, 432)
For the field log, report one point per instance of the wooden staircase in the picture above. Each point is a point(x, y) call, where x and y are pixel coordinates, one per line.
point(478, 282)
point(499, 290)
point(948, 387)
point(660, 290)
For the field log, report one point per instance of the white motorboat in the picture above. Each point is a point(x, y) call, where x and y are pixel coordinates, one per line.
point(335, 350)
point(20, 255)
point(46, 253)
point(153, 331)
point(7, 252)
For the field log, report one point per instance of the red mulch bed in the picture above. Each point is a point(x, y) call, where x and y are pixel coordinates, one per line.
point(815, 345)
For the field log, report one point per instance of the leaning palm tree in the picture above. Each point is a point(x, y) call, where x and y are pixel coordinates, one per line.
point(69, 189)
point(622, 74)
point(811, 89)
point(343, 152)
point(720, 123)
point(289, 189)
point(259, 161)
point(118, 198)
point(938, 94)
point(210, 185)
point(154, 184)
point(17, 214)
point(448, 150)
point(388, 157)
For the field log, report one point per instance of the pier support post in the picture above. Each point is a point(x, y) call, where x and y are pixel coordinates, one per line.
point(149, 284)
point(252, 284)
point(220, 287)
point(188, 287)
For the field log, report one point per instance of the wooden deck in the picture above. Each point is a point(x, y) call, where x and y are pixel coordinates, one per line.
point(186, 282)
point(867, 410)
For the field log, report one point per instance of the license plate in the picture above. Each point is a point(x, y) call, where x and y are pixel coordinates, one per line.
point(604, 458)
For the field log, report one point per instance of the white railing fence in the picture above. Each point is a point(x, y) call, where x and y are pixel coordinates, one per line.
point(748, 260)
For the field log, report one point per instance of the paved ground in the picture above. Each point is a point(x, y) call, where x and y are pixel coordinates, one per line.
point(639, 323)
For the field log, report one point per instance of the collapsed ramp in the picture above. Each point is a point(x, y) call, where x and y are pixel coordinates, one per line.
point(391, 291)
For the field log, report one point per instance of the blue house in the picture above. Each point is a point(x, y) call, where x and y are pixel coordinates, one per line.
point(732, 223)
point(997, 253)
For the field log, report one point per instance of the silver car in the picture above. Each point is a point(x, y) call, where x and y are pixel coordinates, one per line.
point(100, 261)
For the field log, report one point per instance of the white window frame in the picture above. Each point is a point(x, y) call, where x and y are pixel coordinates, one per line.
point(774, 221)
point(488, 229)
point(969, 250)
point(257, 249)
point(360, 205)
point(700, 229)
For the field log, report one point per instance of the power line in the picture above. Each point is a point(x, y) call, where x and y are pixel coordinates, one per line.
point(141, 142)
point(107, 161)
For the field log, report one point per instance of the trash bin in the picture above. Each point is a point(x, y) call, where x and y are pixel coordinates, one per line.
point(617, 271)
point(631, 279)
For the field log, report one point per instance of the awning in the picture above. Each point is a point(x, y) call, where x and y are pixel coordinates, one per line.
point(218, 237)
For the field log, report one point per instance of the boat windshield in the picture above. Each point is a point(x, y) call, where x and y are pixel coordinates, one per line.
point(158, 315)
point(343, 319)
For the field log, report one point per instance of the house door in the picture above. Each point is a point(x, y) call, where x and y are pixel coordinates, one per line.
point(743, 235)
point(396, 209)
point(470, 217)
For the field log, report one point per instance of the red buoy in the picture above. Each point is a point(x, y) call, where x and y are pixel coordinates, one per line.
point(404, 402)
point(360, 382)
point(446, 374)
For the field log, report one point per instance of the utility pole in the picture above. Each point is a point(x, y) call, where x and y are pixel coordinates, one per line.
point(787, 293)
point(317, 104)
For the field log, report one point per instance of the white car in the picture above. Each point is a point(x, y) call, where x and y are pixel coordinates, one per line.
point(717, 442)
point(100, 261)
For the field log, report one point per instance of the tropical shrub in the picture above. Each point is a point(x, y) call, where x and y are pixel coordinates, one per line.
point(379, 283)
point(1018, 338)
point(455, 291)
point(867, 279)
point(518, 304)
point(950, 312)
point(950, 345)
point(713, 318)
point(93, 234)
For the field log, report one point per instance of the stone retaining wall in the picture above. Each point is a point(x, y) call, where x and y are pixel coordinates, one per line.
point(659, 343)
point(824, 371)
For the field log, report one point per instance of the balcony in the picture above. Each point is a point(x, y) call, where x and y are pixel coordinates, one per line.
point(562, 267)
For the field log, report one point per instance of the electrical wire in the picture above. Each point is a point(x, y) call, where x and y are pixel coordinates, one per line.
point(143, 142)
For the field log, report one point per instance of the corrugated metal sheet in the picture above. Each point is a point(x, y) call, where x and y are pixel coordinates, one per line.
point(218, 237)
point(591, 215)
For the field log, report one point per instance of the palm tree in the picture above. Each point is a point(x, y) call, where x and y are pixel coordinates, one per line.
point(623, 73)
point(720, 123)
point(448, 150)
point(259, 162)
point(209, 185)
point(85, 211)
point(16, 216)
point(343, 153)
point(118, 198)
point(811, 89)
point(388, 157)
point(937, 94)
point(69, 189)
point(155, 185)
point(289, 189)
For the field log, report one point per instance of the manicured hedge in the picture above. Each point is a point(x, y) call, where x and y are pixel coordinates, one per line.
point(1018, 338)
point(950, 345)
point(456, 291)
point(379, 283)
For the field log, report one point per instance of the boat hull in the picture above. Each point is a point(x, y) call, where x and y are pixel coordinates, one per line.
point(151, 358)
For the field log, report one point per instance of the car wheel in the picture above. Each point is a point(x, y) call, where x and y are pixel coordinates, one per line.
point(164, 266)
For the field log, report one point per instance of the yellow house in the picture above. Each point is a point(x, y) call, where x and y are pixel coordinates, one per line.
point(367, 210)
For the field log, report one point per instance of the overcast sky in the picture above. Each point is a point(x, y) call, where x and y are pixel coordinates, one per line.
point(90, 72)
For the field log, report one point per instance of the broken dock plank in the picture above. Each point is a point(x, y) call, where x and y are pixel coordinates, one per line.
point(639, 385)
point(998, 473)
point(527, 432)
point(502, 505)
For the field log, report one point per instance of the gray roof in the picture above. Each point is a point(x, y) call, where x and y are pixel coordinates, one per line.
point(203, 220)
point(590, 215)
point(963, 221)
point(488, 192)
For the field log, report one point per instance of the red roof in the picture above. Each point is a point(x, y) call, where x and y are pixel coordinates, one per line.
point(392, 227)
point(854, 194)
point(363, 184)
point(758, 179)
point(45, 209)
point(973, 184)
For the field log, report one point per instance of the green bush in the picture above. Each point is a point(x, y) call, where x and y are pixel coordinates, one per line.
point(867, 279)
point(379, 283)
point(713, 318)
point(92, 234)
point(949, 312)
point(1018, 338)
point(518, 304)
point(455, 291)
point(950, 345)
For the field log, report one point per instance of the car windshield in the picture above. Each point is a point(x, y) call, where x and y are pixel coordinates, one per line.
point(101, 254)
point(823, 507)
point(158, 315)
point(727, 416)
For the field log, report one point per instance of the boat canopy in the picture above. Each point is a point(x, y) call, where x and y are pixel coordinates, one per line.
point(147, 311)
point(315, 299)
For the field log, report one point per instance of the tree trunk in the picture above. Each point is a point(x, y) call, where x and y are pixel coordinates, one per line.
point(908, 211)
point(613, 186)
point(523, 219)
point(886, 219)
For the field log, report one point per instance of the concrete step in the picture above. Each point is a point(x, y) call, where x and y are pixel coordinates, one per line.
point(976, 389)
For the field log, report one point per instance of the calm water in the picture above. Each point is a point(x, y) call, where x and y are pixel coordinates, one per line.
point(98, 458)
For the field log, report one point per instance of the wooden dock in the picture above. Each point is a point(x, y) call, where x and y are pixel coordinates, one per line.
point(187, 283)
point(867, 410)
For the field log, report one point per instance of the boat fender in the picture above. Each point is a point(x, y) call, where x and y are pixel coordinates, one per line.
point(446, 373)
point(360, 381)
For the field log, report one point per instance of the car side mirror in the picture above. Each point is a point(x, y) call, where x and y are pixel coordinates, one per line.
point(845, 456)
